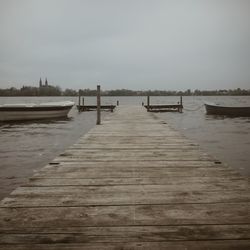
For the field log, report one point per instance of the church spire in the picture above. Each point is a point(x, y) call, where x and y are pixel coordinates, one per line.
point(40, 83)
point(46, 82)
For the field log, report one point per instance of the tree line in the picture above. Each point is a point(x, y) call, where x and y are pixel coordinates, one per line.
point(57, 91)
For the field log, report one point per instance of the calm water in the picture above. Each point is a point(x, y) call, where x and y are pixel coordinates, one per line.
point(27, 146)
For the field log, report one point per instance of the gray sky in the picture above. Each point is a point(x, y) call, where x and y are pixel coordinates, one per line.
point(134, 44)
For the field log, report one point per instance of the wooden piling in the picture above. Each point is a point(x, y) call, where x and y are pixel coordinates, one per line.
point(79, 100)
point(98, 112)
point(181, 105)
point(83, 102)
point(148, 102)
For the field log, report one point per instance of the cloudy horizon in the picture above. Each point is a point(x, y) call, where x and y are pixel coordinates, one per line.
point(138, 45)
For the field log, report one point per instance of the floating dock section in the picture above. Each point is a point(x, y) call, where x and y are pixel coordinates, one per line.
point(132, 182)
point(83, 108)
point(164, 107)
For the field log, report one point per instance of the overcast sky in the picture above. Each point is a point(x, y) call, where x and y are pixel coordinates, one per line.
point(133, 44)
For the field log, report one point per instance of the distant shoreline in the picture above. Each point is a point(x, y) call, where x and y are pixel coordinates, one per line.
point(56, 91)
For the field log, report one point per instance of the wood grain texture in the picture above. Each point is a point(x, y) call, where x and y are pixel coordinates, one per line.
point(131, 183)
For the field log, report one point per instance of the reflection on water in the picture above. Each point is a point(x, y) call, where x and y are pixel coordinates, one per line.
point(27, 146)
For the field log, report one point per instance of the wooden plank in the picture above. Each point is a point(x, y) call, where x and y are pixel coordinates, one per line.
point(125, 234)
point(135, 139)
point(180, 245)
point(167, 189)
point(208, 183)
point(135, 154)
point(113, 166)
point(171, 148)
point(82, 158)
point(104, 147)
point(131, 152)
point(132, 172)
point(153, 106)
point(133, 215)
point(94, 107)
point(118, 195)
point(151, 164)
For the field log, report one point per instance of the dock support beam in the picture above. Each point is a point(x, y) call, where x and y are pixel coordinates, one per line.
point(98, 94)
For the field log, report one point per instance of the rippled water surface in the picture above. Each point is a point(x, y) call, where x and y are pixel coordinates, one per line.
point(27, 146)
point(226, 138)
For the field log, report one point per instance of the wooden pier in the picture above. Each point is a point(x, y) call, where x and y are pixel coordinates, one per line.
point(164, 107)
point(83, 108)
point(132, 182)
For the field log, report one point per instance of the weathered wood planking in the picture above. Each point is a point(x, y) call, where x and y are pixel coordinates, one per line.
point(173, 182)
point(118, 195)
point(125, 215)
point(129, 172)
point(128, 234)
point(131, 183)
point(140, 245)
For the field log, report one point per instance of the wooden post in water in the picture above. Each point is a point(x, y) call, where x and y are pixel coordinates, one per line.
point(148, 102)
point(79, 100)
point(117, 103)
point(180, 110)
point(82, 107)
point(98, 94)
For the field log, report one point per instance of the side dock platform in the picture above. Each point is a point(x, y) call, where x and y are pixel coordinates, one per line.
point(132, 182)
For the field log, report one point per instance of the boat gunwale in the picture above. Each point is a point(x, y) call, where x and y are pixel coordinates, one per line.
point(236, 111)
point(220, 106)
point(37, 107)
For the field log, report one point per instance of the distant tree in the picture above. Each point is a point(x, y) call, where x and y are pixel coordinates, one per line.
point(88, 92)
point(50, 91)
point(56, 91)
point(70, 92)
point(28, 91)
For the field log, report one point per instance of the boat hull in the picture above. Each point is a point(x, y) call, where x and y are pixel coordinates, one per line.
point(33, 113)
point(228, 111)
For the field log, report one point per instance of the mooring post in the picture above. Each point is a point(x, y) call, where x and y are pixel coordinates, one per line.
point(82, 107)
point(180, 110)
point(79, 100)
point(117, 103)
point(98, 94)
point(148, 102)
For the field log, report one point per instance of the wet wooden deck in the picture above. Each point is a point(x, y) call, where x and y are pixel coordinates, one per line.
point(131, 183)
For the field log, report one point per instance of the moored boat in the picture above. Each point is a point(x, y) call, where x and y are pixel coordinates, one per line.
point(32, 111)
point(213, 109)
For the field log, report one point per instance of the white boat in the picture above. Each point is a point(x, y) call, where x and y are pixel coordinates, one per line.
point(32, 111)
point(214, 109)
